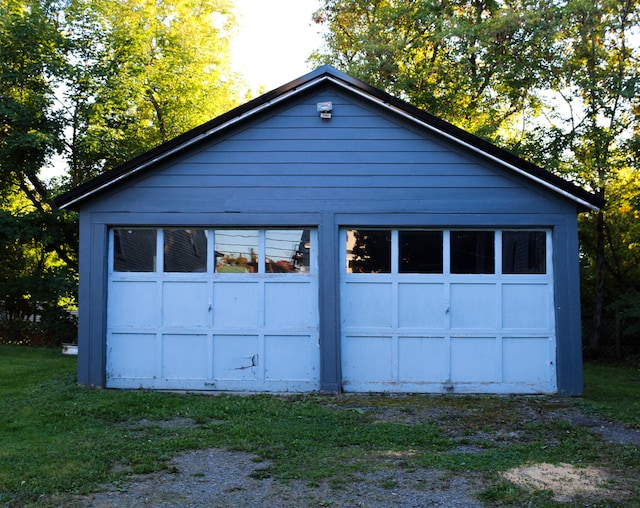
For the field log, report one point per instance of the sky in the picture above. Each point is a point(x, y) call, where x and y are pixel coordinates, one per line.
point(274, 41)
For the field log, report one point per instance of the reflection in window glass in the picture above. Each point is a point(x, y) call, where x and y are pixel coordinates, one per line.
point(368, 251)
point(185, 250)
point(287, 250)
point(472, 252)
point(524, 252)
point(236, 250)
point(420, 251)
point(134, 250)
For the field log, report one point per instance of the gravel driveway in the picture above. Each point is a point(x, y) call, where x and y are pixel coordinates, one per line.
point(218, 478)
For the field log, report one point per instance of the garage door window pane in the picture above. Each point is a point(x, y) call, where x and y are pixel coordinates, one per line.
point(185, 250)
point(524, 252)
point(472, 252)
point(420, 251)
point(287, 250)
point(368, 251)
point(134, 250)
point(236, 250)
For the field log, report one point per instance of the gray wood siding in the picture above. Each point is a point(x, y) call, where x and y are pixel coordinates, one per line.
point(358, 160)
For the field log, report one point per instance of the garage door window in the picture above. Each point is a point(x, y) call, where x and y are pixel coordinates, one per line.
point(472, 252)
point(469, 252)
point(134, 250)
point(287, 250)
point(224, 251)
point(368, 251)
point(185, 250)
point(524, 252)
point(236, 250)
point(420, 252)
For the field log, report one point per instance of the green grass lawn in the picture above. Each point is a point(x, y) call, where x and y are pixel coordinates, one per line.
point(613, 392)
point(57, 438)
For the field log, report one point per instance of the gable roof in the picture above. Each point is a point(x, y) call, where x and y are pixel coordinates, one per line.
point(327, 74)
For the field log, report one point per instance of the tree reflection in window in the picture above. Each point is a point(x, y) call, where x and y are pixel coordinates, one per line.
point(420, 251)
point(472, 252)
point(368, 251)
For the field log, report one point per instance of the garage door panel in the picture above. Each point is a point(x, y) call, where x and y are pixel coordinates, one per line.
point(236, 304)
point(290, 304)
point(185, 304)
point(526, 306)
point(453, 310)
point(473, 306)
point(526, 360)
point(235, 357)
point(184, 356)
point(243, 317)
point(367, 304)
point(124, 353)
point(473, 360)
point(423, 359)
point(290, 357)
point(367, 359)
point(421, 305)
point(133, 304)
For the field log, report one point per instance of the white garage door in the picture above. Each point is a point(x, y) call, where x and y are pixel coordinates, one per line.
point(447, 310)
point(193, 308)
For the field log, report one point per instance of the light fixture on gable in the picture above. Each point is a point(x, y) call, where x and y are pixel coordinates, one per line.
point(324, 108)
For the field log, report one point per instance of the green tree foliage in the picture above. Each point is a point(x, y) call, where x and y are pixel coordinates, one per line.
point(592, 126)
point(606, 72)
point(35, 286)
point(92, 83)
point(557, 82)
point(471, 62)
point(29, 127)
point(142, 73)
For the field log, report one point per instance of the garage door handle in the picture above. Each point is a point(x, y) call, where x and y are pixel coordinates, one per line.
point(254, 361)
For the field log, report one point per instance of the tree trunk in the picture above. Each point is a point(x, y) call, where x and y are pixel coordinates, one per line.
point(594, 342)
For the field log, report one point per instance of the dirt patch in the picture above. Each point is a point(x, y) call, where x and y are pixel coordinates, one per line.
point(567, 482)
point(218, 478)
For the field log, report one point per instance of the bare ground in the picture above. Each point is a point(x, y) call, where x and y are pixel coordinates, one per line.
point(221, 478)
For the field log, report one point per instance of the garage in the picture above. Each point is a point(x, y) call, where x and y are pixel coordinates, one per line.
point(327, 236)
point(214, 309)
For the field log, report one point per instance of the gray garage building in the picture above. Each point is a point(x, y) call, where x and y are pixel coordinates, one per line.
point(328, 236)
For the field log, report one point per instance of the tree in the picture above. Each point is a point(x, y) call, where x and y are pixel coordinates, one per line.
point(31, 55)
point(557, 82)
point(142, 73)
point(590, 134)
point(29, 129)
point(471, 62)
point(605, 71)
point(97, 82)
point(35, 286)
